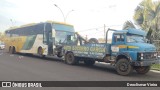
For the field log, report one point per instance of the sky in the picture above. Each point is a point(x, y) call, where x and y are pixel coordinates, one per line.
point(87, 16)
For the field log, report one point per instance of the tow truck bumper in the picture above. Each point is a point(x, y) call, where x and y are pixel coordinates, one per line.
point(146, 62)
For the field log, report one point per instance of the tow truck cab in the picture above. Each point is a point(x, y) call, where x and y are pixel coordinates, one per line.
point(132, 46)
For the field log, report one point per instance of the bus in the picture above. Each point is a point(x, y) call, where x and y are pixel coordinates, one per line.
point(46, 38)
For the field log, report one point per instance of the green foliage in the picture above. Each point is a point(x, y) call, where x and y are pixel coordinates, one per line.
point(156, 67)
point(147, 16)
point(127, 25)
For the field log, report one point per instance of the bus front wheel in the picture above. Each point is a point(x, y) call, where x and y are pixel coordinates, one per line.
point(40, 52)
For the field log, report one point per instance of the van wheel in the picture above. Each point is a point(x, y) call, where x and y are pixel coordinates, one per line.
point(70, 59)
point(89, 62)
point(40, 52)
point(142, 69)
point(123, 67)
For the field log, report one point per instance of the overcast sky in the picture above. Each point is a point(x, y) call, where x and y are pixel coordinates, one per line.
point(87, 14)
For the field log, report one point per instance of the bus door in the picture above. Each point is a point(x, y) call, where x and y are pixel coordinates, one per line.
point(48, 40)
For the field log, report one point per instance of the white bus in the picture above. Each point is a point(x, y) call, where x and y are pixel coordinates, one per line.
point(42, 38)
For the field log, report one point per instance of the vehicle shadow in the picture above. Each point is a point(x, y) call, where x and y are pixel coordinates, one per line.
point(97, 66)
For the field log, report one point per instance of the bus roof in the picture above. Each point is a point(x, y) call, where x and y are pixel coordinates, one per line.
point(32, 24)
point(59, 23)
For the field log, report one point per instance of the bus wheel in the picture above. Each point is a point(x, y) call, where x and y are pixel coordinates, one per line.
point(13, 50)
point(89, 62)
point(70, 59)
point(40, 52)
point(10, 49)
point(123, 67)
point(142, 69)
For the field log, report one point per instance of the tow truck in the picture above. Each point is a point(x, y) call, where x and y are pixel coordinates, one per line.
point(128, 51)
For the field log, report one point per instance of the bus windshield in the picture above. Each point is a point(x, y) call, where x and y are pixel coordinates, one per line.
point(135, 38)
point(63, 27)
point(64, 34)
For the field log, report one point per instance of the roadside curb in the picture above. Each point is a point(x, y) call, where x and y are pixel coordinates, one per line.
point(156, 71)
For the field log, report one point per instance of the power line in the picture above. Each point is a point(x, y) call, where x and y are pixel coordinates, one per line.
point(98, 28)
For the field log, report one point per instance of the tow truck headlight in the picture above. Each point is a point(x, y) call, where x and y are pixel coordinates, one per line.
point(141, 57)
point(141, 54)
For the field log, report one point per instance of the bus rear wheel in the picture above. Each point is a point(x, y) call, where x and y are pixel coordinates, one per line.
point(12, 50)
point(9, 49)
point(123, 67)
point(142, 69)
point(70, 59)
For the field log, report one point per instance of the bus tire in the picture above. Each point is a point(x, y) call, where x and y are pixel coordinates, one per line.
point(10, 49)
point(13, 50)
point(142, 69)
point(123, 67)
point(70, 59)
point(40, 52)
point(89, 62)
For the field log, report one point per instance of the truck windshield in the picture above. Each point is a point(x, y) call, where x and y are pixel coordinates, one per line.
point(135, 38)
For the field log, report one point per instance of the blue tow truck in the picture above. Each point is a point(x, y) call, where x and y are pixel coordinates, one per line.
point(128, 51)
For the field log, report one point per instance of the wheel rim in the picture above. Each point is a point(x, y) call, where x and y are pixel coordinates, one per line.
point(123, 67)
point(69, 58)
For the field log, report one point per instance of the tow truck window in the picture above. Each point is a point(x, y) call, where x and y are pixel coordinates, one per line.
point(119, 38)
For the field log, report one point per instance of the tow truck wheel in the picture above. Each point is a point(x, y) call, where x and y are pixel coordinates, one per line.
point(142, 69)
point(123, 67)
point(89, 62)
point(70, 59)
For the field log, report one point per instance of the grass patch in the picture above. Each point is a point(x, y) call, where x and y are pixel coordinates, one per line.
point(156, 67)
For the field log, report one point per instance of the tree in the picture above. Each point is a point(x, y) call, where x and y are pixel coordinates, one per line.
point(127, 25)
point(147, 16)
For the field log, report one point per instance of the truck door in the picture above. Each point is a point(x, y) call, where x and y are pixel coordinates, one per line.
point(118, 43)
